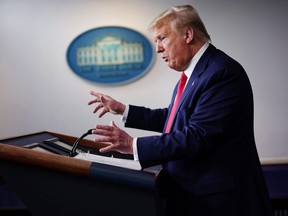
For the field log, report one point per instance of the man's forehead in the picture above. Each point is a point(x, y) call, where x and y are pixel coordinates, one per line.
point(161, 29)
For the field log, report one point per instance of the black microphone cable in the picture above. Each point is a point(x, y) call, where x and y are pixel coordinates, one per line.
point(76, 143)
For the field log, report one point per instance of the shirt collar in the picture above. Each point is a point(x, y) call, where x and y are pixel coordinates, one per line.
point(194, 60)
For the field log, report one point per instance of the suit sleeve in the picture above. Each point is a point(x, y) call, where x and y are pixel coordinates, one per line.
point(146, 119)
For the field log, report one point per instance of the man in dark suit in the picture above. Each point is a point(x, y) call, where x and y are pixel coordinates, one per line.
point(208, 153)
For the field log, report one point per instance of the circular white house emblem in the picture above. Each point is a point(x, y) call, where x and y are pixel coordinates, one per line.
point(110, 55)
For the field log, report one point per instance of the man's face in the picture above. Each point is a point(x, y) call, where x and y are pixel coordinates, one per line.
point(173, 46)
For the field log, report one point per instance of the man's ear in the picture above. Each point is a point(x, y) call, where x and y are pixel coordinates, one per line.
point(189, 35)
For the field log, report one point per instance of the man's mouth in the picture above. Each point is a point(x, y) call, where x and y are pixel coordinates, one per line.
point(165, 59)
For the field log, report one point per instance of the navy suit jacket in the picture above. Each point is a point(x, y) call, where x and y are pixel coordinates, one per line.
point(210, 162)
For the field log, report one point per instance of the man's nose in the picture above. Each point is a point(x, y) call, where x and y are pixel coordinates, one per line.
point(159, 48)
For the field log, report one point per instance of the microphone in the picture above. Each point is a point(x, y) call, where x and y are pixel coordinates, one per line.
point(76, 143)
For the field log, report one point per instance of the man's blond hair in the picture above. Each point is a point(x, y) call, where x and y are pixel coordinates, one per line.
point(181, 17)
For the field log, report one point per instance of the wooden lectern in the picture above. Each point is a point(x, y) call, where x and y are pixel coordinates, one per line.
point(53, 184)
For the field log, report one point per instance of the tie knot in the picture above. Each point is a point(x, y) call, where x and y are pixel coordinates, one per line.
point(183, 78)
point(183, 75)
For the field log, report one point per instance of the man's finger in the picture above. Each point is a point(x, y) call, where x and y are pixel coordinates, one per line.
point(95, 93)
point(112, 123)
point(97, 108)
point(92, 101)
point(102, 139)
point(105, 110)
point(106, 149)
point(104, 127)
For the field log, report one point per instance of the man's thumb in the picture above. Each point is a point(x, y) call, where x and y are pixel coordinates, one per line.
point(112, 123)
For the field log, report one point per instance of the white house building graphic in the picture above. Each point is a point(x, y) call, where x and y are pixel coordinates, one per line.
point(111, 51)
point(110, 55)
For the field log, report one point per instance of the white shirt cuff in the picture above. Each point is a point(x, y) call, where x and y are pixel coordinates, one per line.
point(125, 114)
point(135, 151)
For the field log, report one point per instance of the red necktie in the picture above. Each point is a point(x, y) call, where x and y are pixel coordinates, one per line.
point(180, 89)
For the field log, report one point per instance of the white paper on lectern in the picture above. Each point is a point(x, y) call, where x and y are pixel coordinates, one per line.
point(125, 163)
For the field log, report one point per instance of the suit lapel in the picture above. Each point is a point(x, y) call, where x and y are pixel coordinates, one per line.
point(197, 72)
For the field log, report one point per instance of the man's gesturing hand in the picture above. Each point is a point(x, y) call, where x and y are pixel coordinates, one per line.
point(119, 139)
point(107, 103)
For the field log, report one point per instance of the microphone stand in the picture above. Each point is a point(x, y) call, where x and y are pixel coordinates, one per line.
point(76, 143)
